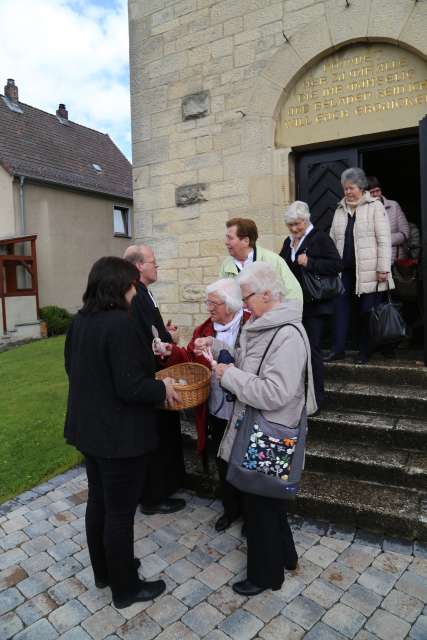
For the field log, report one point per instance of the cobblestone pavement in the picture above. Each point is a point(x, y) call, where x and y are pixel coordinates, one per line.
point(348, 584)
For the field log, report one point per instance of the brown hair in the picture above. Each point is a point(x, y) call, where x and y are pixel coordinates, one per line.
point(373, 182)
point(245, 228)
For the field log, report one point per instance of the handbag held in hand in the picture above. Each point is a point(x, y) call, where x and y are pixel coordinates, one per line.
point(386, 325)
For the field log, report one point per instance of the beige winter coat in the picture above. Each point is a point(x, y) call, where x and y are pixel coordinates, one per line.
point(372, 242)
point(279, 390)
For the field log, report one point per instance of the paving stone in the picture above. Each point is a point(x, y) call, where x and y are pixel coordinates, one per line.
point(419, 630)
point(305, 539)
point(341, 532)
point(15, 523)
point(202, 514)
point(363, 600)
point(336, 545)
point(216, 634)
point(13, 556)
point(35, 608)
point(403, 605)
point(365, 635)
point(172, 552)
point(134, 609)
point(64, 569)
point(404, 547)
point(35, 584)
point(68, 616)
point(322, 592)
point(344, 620)
point(420, 550)
point(63, 549)
point(321, 555)
point(419, 566)
point(83, 557)
point(226, 600)
point(145, 547)
point(224, 543)
point(378, 581)
point(307, 571)
point(10, 599)
point(178, 631)
point(38, 528)
point(317, 527)
point(235, 561)
point(193, 539)
point(304, 612)
point(86, 577)
point(66, 590)
point(291, 588)
point(166, 535)
point(152, 565)
point(241, 625)
point(141, 627)
point(62, 518)
point(282, 628)
point(37, 562)
point(62, 534)
point(264, 606)
point(203, 557)
point(9, 625)
point(76, 634)
point(103, 622)
point(192, 592)
point(386, 626)
point(182, 570)
point(202, 619)
point(215, 576)
point(391, 563)
point(340, 575)
point(167, 610)
point(40, 630)
point(322, 631)
point(13, 540)
point(358, 557)
point(368, 539)
point(36, 545)
point(95, 599)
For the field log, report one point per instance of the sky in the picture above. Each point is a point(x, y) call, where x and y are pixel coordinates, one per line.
point(70, 51)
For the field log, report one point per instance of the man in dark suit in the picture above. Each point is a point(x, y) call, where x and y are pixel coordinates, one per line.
point(165, 472)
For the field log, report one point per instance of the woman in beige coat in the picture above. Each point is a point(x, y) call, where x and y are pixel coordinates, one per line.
point(279, 392)
point(361, 232)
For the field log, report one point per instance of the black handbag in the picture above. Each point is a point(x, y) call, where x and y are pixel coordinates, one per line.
point(386, 325)
point(317, 288)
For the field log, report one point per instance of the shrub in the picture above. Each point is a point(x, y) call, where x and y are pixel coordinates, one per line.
point(57, 320)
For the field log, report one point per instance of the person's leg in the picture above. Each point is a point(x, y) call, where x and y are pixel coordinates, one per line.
point(268, 540)
point(314, 328)
point(366, 302)
point(341, 316)
point(95, 520)
point(230, 496)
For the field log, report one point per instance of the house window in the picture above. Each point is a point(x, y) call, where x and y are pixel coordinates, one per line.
point(121, 221)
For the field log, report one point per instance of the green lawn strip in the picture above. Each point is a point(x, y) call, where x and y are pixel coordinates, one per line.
point(33, 392)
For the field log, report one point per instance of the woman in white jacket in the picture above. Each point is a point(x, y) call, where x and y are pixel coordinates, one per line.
point(361, 232)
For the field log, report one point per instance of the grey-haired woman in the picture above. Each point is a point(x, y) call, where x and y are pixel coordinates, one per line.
point(361, 233)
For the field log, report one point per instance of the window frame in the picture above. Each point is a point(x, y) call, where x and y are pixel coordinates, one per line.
point(125, 211)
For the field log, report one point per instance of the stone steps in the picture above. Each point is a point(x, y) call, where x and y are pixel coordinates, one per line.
point(402, 400)
point(390, 373)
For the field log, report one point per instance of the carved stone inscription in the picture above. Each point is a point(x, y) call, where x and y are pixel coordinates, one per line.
point(361, 89)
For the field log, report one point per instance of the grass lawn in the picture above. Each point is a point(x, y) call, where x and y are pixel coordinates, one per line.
point(33, 393)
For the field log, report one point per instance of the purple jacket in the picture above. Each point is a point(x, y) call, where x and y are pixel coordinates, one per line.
point(399, 228)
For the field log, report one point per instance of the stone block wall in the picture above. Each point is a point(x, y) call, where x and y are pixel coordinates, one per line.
point(206, 83)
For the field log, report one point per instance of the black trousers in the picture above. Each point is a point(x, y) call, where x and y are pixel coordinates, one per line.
point(114, 490)
point(230, 496)
point(269, 539)
point(164, 470)
point(314, 327)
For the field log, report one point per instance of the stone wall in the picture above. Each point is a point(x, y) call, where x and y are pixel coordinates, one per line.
point(207, 81)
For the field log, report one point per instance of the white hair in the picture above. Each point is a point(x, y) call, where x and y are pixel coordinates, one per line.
point(298, 210)
point(228, 290)
point(356, 176)
point(261, 277)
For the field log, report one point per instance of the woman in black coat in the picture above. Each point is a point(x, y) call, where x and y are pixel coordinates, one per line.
point(311, 249)
point(111, 420)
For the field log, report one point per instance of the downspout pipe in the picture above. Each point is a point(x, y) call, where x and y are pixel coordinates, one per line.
point(22, 205)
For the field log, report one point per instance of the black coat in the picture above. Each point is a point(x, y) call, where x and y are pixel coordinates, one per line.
point(147, 314)
point(323, 259)
point(112, 391)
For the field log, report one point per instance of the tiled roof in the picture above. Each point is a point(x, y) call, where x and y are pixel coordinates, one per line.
point(37, 145)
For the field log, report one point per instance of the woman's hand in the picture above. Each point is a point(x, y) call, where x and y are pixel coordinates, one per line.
point(162, 349)
point(172, 396)
point(201, 344)
point(173, 330)
point(220, 369)
point(302, 260)
point(382, 276)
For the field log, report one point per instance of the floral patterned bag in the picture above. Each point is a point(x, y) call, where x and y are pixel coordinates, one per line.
point(267, 458)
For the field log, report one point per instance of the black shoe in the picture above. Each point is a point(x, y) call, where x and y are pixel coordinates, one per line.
point(291, 566)
point(170, 505)
point(247, 588)
point(223, 523)
point(333, 357)
point(148, 591)
point(102, 584)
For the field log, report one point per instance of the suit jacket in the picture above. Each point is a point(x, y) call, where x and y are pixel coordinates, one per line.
point(112, 391)
point(147, 314)
point(323, 259)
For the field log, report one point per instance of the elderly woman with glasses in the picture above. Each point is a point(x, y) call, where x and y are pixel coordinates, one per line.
point(311, 250)
point(269, 374)
point(226, 318)
point(361, 232)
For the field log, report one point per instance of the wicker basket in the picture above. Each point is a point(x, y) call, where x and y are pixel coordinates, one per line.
point(196, 391)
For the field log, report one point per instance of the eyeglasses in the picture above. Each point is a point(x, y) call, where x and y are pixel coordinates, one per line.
point(153, 262)
point(211, 303)
point(246, 298)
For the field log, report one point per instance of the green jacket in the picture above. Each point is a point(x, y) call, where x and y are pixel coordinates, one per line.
point(293, 290)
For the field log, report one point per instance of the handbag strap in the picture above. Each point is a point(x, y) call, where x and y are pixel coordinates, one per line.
point(287, 324)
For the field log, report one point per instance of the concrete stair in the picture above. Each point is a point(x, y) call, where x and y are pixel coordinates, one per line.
point(366, 461)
